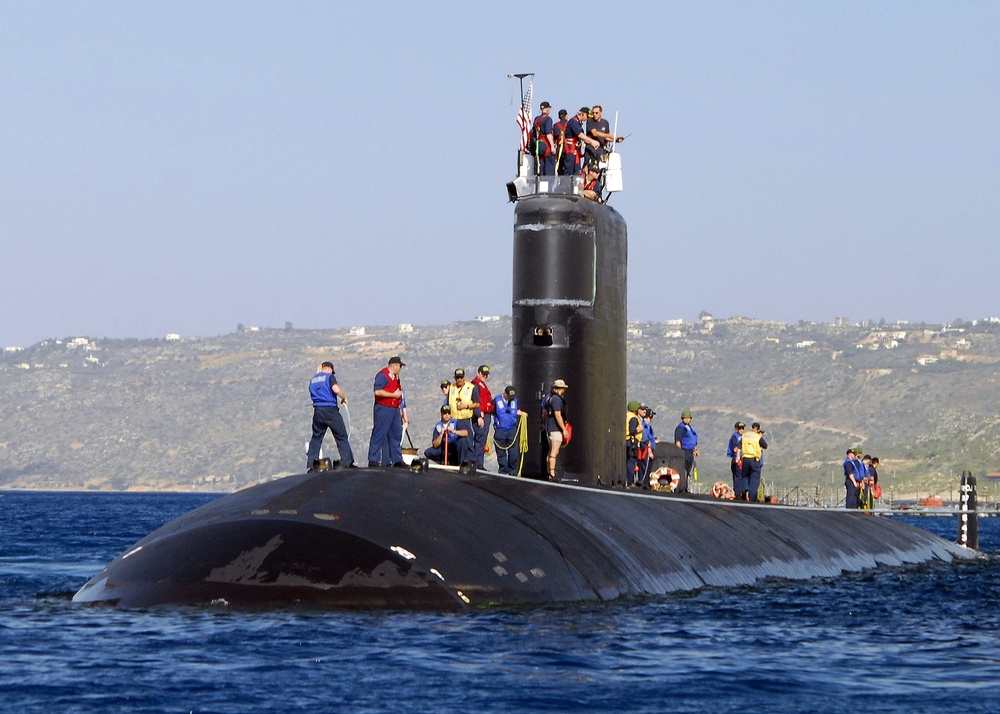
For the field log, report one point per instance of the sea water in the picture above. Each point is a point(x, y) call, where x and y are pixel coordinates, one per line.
point(917, 639)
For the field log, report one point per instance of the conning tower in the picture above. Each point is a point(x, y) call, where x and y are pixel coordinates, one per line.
point(569, 322)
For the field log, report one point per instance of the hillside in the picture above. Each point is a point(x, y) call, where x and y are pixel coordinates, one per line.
point(221, 413)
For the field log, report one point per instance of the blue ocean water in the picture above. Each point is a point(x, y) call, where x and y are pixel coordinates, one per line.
point(910, 640)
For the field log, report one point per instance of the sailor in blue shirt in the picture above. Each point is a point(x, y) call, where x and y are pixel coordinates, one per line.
point(324, 390)
point(445, 435)
point(505, 417)
point(852, 479)
point(647, 446)
point(735, 454)
point(685, 437)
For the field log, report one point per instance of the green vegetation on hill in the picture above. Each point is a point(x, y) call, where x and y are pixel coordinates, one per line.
point(221, 413)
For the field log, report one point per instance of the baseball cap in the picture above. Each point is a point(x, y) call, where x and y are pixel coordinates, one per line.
point(739, 425)
point(484, 368)
point(327, 364)
point(559, 384)
point(509, 390)
point(459, 373)
point(545, 105)
point(634, 406)
point(397, 360)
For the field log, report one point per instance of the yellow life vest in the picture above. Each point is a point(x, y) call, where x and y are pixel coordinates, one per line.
point(751, 446)
point(636, 438)
point(465, 394)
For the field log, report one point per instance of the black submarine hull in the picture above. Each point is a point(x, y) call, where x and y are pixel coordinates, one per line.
point(444, 541)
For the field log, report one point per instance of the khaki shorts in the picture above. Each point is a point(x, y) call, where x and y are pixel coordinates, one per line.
point(555, 437)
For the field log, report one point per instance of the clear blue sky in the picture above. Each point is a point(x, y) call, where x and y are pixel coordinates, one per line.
point(188, 166)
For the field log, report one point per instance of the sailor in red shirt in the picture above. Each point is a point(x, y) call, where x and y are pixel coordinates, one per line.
point(481, 426)
point(386, 420)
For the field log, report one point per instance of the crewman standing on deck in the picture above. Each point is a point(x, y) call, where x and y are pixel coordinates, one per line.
point(387, 422)
point(752, 447)
point(735, 453)
point(464, 408)
point(324, 391)
point(481, 426)
point(686, 438)
point(506, 416)
point(554, 419)
point(633, 436)
point(852, 480)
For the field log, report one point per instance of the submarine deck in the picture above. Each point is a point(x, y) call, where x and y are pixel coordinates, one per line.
point(443, 540)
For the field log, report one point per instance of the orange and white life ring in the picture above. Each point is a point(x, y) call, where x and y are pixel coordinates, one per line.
point(723, 491)
point(664, 478)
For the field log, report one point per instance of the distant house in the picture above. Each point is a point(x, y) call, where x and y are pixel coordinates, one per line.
point(673, 333)
point(77, 342)
point(804, 344)
point(356, 332)
point(173, 337)
point(253, 328)
point(405, 328)
point(487, 318)
point(677, 321)
point(841, 322)
point(635, 332)
point(925, 360)
point(13, 349)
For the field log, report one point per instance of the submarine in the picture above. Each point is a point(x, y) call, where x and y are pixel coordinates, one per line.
point(444, 538)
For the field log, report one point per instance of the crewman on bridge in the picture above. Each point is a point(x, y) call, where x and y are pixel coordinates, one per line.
point(545, 143)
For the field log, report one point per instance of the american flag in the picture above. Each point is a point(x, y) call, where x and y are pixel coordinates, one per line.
point(524, 117)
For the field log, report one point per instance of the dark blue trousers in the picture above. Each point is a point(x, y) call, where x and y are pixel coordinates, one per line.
point(751, 473)
point(739, 483)
point(853, 494)
point(436, 453)
point(508, 451)
point(465, 444)
point(480, 438)
point(386, 424)
point(631, 466)
point(329, 418)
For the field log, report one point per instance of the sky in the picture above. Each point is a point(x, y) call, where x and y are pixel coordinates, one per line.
point(190, 166)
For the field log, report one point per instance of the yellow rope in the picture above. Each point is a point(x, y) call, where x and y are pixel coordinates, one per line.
point(521, 439)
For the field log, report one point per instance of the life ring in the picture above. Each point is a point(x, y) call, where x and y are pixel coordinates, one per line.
point(723, 491)
point(664, 478)
point(877, 491)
